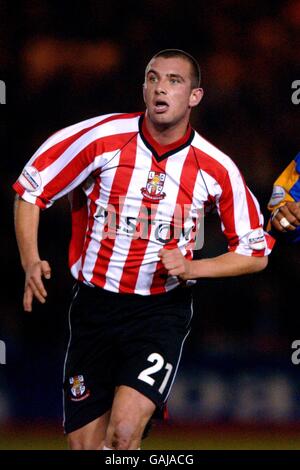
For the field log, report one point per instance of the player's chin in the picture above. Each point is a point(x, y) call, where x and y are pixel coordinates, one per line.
point(157, 116)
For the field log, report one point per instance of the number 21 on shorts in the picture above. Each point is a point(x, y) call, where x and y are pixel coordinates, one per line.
point(159, 363)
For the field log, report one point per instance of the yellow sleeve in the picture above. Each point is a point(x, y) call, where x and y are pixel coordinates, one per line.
point(283, 186)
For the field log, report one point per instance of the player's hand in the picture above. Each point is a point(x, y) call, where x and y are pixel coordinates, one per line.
point(34, 286)
point(175, 263)
point(287, 217)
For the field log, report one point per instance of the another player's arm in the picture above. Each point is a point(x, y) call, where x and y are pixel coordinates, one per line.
point(225, 265)
point(26, 227)
point(284, 207)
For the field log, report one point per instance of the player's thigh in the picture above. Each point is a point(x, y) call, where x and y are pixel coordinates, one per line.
point(91, 436)
point(151, 348)
point(130, 413)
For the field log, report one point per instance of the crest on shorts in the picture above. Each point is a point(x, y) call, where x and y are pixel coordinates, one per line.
point(78, 388)
point(154, 187)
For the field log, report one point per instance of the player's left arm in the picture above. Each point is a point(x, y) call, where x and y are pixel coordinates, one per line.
point(225, 265)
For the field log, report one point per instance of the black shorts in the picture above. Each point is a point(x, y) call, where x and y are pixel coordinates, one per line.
point(121, 339)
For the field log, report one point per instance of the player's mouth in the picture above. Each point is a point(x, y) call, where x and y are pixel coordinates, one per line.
point(160, 106)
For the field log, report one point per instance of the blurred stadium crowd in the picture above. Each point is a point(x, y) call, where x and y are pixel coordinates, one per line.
point(66, 61)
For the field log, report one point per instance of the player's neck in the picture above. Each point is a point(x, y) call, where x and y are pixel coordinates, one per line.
point(166, 134)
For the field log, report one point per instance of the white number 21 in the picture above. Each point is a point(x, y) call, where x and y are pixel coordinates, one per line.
point(159, 363)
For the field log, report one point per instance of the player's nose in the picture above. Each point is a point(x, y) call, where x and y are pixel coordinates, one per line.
point(160, 89)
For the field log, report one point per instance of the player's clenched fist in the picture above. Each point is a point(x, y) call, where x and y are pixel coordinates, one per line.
point(287, 217)
point(175, 263)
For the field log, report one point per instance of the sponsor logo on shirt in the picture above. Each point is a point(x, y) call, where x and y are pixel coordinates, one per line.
point(152, 225)
point(256, 239)
point(30, 179)
point(277, 196)
point(154, 186)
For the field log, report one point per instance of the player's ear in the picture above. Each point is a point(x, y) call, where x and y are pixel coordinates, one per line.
point(144, 91)
point(196, 96)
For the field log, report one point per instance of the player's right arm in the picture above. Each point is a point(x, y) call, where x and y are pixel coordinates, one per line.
point(61, 164)
point(26, 227)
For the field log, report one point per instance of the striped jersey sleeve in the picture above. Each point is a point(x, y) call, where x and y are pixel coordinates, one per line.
point(239, 211)
point(68, 157)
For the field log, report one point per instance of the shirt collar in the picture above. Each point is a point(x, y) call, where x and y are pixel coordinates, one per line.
point(163, 151)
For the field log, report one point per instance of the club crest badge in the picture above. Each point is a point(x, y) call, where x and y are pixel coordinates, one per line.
point(78, 388)
point(154, 186)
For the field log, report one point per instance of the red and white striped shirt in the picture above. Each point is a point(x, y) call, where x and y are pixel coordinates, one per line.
point(130, 197)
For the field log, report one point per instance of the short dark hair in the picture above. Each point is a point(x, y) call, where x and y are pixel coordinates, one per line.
point(196, 72)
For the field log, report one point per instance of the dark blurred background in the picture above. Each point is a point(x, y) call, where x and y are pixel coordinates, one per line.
point(64, 62)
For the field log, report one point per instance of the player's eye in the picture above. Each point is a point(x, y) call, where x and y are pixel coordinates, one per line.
point(174, 80)
point(152, 78)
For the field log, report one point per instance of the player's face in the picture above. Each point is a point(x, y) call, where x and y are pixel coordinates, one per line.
point(168, 91)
